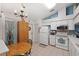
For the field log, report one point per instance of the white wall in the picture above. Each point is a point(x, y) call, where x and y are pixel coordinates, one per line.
point(76, 20)
point(76, 11)
point(0, 24)
point(0, 28)
point(3, 26)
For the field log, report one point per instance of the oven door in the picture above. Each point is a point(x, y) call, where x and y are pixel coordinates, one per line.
point(62, 41)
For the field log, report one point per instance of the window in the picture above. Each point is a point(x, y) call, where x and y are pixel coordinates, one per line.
point(69, 10)
point(52, 16)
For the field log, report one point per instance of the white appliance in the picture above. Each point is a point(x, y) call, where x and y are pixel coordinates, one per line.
point(53, 40)
point(62, 40)
point(44, 35)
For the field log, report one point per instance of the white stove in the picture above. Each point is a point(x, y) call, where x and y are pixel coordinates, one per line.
point(62, 40)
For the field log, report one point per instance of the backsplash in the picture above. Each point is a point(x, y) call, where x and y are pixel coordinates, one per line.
point(71, 32)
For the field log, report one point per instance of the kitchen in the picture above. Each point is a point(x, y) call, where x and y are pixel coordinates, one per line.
point(63, 30)
point(55, 34)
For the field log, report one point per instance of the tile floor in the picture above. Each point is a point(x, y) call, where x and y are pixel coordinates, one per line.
point(40, 50)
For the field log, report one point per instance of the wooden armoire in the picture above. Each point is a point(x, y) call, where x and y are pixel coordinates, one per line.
point(22, 31)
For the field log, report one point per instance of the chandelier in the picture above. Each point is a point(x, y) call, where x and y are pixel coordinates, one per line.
point(21, 13)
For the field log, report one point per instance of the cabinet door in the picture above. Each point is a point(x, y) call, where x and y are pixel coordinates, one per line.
point(70, 47)
point(54, 26)
point(73, 50)
point(52, 39)
point(70, 24)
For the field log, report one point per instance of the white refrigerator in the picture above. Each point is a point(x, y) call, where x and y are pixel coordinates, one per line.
point(44, 35)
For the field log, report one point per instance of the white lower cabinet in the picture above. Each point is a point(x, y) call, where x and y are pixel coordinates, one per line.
point(70, 46)
point(52, 39)
point(73, 50)
point(77, 53)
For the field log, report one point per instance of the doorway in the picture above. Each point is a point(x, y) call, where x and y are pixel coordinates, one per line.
point(10, 32)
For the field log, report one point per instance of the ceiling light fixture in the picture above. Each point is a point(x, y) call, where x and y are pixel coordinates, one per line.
point(21, 12)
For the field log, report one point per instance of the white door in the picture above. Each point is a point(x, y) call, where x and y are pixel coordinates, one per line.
point(44, 38)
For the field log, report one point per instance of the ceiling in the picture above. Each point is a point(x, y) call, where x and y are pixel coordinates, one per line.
point(35, 11)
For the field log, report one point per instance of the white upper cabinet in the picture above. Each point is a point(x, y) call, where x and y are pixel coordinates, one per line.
point(58, 23)
point(70, 24)
point(54, 26)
